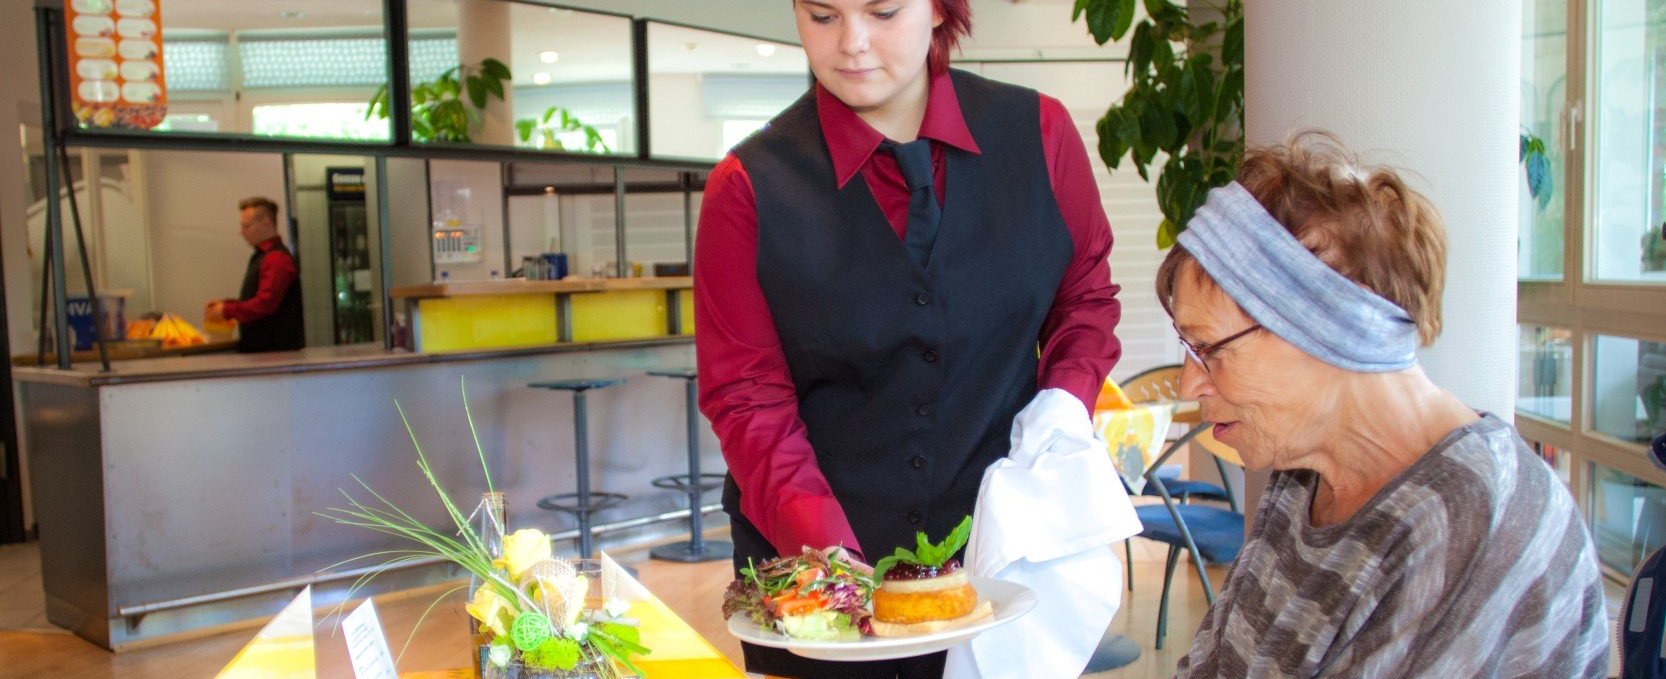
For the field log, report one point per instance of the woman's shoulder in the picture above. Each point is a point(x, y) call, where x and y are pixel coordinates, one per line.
point(1480, 476)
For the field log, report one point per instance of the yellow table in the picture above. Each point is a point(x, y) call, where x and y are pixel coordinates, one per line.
point(678, 651)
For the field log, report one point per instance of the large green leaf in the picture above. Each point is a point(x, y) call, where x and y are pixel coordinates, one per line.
point(1111, 148)
point(1139, 52)
point(1159, 128)
point(495, 69)
point(477, 91)
point(1230, 94)
point(1232, 44)
point(1107, 19)
point(1162, 52)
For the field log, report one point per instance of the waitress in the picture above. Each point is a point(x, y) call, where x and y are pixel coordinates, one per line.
point(885, 275)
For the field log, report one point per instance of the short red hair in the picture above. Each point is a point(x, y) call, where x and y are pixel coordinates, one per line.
point(957, 23)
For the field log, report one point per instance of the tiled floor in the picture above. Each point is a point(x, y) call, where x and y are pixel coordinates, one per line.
point(21, 603)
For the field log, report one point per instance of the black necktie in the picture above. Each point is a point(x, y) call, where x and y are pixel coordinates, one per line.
point(914, 159)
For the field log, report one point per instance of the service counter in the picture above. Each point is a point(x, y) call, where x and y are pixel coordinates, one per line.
point(513, 313)
point(177, 495)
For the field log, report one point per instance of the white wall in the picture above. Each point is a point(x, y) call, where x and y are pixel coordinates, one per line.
point(678, 118)
point(192, 211)
point(409, 241)
point(1433, 88)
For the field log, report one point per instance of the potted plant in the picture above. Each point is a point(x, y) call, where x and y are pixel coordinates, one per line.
point(1185, 99)
point(446, 108)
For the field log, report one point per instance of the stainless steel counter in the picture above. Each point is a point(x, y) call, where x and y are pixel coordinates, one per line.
point(176, 495)
point(356, 356)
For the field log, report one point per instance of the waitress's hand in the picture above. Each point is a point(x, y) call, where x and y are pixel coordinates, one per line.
point(215, 312)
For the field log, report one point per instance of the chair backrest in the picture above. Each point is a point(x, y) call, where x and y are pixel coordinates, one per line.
point(1161, 383)
point(1642, 623)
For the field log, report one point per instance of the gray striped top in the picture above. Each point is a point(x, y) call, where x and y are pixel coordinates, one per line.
point(1474, 562)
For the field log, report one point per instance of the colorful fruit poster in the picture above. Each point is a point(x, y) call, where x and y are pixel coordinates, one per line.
point(116, 77)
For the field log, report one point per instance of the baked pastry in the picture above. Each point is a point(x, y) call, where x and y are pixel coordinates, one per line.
point(924, 590)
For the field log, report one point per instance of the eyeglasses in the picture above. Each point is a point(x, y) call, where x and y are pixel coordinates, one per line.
point(1200, 352)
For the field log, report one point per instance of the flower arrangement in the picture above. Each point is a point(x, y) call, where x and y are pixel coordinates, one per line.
point(529, 605)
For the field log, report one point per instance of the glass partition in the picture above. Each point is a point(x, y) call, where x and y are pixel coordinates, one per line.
point(709, 90)
point(549, 78)
point(1544, 93)
point(1545, 373)
point(305, 69)
point(1628, 518)
point(1628, 388)
point(1629, 238)
point(570, 209)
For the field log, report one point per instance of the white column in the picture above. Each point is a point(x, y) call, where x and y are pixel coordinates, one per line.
point(1431, 87)
point(483, 31)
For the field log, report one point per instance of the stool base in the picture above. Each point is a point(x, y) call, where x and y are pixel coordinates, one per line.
point(681, 482)
point(568, 502)
point(683, 552)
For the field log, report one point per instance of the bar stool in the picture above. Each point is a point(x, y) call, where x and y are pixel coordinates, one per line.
point(696, 548)
point(584, 502)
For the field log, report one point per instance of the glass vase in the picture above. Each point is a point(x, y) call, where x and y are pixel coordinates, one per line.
point(489, 520)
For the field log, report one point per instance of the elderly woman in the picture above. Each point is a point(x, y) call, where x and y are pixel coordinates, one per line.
point(1403, 534)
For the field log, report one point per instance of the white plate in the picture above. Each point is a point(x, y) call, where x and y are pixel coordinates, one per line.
point(1011, 600)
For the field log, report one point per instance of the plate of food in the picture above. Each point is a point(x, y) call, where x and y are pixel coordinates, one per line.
point(826, 605)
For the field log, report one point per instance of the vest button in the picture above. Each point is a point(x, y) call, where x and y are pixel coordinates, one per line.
point(918, 462)
point(923, 298)
point(923, 410)
point(915, 516)
point(930, 356)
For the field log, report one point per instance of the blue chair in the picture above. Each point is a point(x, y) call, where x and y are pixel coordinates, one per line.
point(1162, 383)
point(1212, 535)
point(1156, 385)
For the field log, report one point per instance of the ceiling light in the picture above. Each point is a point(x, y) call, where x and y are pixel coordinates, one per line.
point(540, 78)
point(548, 56)
point(766, 50)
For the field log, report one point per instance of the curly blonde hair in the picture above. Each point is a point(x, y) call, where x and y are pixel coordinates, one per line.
point(1360, 219)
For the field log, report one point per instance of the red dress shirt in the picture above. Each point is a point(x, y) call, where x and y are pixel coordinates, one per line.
point(745, 388)
point(277, 270)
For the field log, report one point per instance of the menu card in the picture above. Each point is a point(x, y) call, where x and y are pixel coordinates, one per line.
point(116, 77)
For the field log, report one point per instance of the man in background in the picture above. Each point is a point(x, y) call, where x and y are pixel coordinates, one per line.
point(268, 310)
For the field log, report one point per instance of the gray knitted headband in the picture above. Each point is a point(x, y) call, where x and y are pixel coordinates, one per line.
point(1291, 292)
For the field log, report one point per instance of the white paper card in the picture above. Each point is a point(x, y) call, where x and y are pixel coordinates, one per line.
point(367, 645)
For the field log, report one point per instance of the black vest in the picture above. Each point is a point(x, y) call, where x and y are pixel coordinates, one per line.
point(284, 329)
point(908, 379)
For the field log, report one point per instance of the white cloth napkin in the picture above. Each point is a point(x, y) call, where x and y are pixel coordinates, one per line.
point(1046, 518)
